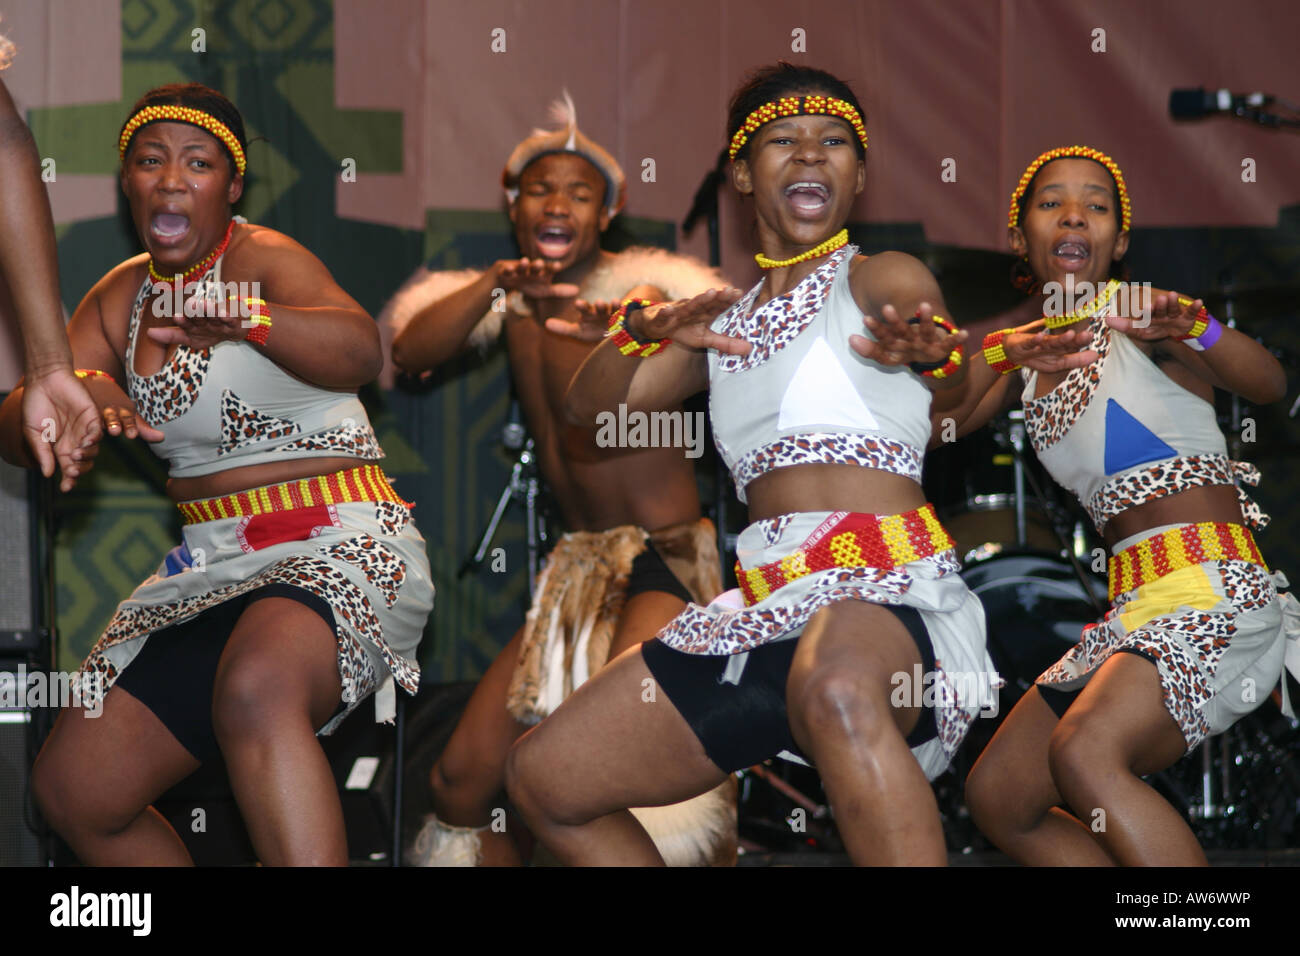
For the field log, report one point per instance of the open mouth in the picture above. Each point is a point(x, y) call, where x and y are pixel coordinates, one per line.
point(169, 225)
point(808, 197)
point(1072, 253)
point(554, 241)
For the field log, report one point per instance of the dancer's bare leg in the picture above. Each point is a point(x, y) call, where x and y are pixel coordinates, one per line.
point(468, 781)
point(1013, 798)
point(617, 742)
point(96, 777)
point(838, 696)
point(276, 684)
point(1116, 732)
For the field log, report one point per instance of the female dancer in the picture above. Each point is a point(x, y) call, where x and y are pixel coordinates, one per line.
point(300, 585)
point(1195, 637)
point(850, 586)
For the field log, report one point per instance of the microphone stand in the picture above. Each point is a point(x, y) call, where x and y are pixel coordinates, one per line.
point(1263, 118)
point(524, 484)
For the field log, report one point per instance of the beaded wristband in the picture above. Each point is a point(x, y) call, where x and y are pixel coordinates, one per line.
point(85, 373)
point(995, 355)
point(258, 322)
point(948, 366)
point(625, 341)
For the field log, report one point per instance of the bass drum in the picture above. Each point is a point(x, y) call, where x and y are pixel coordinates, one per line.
point(1036, 608)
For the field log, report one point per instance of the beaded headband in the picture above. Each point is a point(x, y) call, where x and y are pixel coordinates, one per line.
point(1071, 152)
point(794, 106)
point(183, 114)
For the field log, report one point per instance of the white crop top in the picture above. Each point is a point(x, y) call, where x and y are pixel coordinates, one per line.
point(1120, 432)
point(229, 405)
point(802, 395)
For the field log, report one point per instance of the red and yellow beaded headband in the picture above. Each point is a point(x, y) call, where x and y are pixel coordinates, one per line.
point(1072, 152)
point(183, 114)
point(794, 106)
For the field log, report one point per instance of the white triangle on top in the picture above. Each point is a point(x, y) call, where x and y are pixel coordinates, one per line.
point(821, 393)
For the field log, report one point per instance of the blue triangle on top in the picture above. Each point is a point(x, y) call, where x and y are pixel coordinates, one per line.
point(1129, 442)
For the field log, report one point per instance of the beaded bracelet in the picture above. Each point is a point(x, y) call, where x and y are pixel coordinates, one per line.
point(945, 367)
point(996, 355)
point(258, 322)
point(625, 341)
point(85, 373)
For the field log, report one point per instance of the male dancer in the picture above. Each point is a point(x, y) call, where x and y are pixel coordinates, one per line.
point(638, 549)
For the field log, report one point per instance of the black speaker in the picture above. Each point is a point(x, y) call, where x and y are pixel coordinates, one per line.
point(25, 647)
point(23, 632)
point(19, 843)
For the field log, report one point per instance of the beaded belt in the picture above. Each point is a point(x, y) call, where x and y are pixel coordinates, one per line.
point(1178, 548)
point(364, 483)
point(850, 540)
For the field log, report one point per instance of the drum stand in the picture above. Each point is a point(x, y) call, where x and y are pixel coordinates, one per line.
point(524, 485)
point(1015, 439)
point(1207, 809)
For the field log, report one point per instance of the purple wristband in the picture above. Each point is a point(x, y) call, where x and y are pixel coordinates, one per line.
point(1207, 338)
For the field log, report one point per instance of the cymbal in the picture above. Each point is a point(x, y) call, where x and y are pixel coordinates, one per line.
point(1260, 303)
point(975, 282)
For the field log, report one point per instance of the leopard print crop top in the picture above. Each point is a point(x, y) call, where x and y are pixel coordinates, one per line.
point(802, 395)
point(1120, 432)
point(229, 405)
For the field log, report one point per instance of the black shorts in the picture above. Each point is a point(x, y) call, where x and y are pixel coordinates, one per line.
point(1060, 700)
point(743, 724)
point(651, 573)
point(176, 670)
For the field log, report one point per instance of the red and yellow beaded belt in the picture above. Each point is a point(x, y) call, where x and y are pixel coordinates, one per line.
point(364, 483)
point(850, 540)
point(1178, 548)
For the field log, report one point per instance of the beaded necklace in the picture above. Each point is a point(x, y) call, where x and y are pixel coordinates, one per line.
point(1087, 312)
point(200, 267)
point(836, 241)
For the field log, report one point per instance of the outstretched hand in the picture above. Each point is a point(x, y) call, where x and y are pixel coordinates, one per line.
point(60, 421)
point(1172, 316)
point(592, 322)
point(213, 325)
point(901, 341)
point(1044, 352)
point(685, 321)
point(533, 277)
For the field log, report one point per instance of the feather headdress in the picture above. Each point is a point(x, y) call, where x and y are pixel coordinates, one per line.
point(566, 139)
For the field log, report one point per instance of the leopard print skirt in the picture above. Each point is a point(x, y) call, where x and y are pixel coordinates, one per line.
point(1216, 631)
point(965, 681)
point(366, 559)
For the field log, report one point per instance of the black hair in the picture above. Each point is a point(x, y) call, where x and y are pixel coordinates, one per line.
point(1022, 277)
point(783, 79)
point(199, 97)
